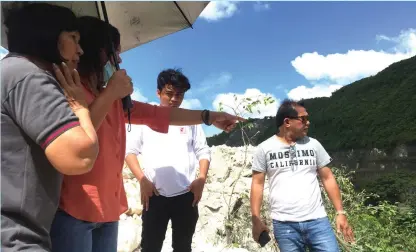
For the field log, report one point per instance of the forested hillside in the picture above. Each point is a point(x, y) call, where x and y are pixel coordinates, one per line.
point(374, 112)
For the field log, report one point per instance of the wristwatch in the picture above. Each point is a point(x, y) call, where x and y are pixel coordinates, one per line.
point(205, 116)
point(341, 212)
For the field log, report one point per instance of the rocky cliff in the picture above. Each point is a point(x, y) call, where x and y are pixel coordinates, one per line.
point(224, 196)
point(225, 219)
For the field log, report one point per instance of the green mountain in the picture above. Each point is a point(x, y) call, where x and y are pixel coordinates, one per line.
point(374, 112)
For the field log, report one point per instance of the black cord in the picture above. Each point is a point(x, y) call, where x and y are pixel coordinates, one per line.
point(129, 119)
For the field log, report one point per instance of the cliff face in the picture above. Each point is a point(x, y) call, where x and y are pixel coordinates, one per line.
point(226, 191)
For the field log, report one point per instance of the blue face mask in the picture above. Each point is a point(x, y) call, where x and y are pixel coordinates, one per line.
point(109, 70)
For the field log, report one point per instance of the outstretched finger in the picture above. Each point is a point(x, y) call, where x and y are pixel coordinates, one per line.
point(76, 78)
point(195, 201)
point(146, 202)
point(155, 191)
point(232, 126)
point(229, 127)
point(338, 226)
point(60, 77)
point(67, 74)
point(240, 119)
point(349, 235)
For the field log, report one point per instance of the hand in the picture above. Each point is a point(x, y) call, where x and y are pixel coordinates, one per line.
point(120, 85)
point(342, 226)
point(225, 121)
point(258, 228)
point(196, 187)
point(71, 84)
point(147, 189)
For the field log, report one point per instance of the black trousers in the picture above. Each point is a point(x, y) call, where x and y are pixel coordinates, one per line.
point(183, 216)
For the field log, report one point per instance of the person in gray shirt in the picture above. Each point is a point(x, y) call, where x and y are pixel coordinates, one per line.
point(292, 161)
point(46, 130)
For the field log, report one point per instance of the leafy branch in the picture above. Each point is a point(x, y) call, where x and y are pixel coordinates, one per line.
point(242, 107)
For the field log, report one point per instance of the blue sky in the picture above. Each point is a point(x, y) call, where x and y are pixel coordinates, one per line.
point(254, 45)
point(278, 49)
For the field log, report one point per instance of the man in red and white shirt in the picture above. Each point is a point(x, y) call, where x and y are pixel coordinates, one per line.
point(170, 189)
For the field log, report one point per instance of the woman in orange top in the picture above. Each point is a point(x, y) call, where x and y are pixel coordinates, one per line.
point(90, 204)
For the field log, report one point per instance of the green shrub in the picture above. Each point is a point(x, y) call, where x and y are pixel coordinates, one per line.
point(385, 227)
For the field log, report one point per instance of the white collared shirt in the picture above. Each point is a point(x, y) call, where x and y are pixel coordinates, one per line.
point(170, 160)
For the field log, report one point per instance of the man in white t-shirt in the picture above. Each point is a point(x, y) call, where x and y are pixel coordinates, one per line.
point(169, 187)
point(292, 161)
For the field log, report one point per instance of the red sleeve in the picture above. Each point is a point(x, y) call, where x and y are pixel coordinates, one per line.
point(155, 117)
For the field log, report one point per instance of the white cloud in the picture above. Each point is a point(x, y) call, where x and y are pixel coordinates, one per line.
point(303, 92)
point(405, 42)
point(137, 96)
point(228, 100)
point(344, 68)
point(261, 6)
point(214, 81)
point(217, 10)
point(330, 72)
point(191, 104)
point(186, 104)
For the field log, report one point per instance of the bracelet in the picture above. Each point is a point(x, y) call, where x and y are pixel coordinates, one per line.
point(341, 212)
point(205, 117)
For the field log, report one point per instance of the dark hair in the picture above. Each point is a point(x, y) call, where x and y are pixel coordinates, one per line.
point(175, 77)
point(33, 29)
point(287, 109)
point(94, 35)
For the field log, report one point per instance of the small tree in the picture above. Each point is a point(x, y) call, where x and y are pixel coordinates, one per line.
point(238, 213)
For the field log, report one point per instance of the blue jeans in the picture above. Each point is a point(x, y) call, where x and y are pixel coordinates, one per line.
point(69, 234)
point(317, 235)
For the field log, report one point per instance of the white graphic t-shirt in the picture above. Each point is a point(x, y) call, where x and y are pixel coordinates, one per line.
point(292, 172)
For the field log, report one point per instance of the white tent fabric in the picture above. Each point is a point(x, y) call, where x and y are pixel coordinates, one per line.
point(138, 22)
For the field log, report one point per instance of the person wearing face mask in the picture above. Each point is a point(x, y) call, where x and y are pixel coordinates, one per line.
point(46, 130)
point(90, 204)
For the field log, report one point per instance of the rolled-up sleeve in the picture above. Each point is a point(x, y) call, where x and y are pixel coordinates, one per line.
point(155, 117)
point(201, 148)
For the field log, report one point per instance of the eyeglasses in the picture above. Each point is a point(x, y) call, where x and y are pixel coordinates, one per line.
point(304, 118)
